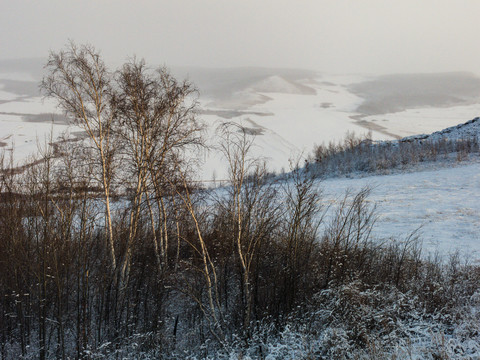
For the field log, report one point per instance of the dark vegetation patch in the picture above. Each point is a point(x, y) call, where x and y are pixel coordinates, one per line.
point(394, 93)
point(26, 89)
point(230, 114)
point(326, 105)
point(41, 118)
point(47, 118)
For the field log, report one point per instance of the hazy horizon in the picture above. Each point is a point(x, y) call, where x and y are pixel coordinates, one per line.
point(343, 36)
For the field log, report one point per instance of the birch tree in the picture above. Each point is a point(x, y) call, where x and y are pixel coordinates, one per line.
point(156, 123)
point(82, 85)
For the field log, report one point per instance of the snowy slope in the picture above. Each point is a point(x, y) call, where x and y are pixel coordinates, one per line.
point(443, 204)
point(439, 199)
point(467, 130)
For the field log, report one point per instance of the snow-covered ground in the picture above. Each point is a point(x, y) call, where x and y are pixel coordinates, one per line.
point(443, 204)
point(439, 201)
point(27, 121)
point(424, 120)
point(291, 122)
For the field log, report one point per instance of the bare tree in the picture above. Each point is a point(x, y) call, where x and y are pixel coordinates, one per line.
point(156, 123)
point(250, 205)
point(299, 228)
point(81, 83)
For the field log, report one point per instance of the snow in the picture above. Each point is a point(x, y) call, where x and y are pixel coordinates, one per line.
point(467, 130)
point(288, 114)
point(290, 121)
point(25, 137)
point(443, 204)
point(424, 120)
point(22, 136)
point(278, 84)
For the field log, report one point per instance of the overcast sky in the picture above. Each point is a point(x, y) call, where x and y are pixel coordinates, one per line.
point(337, 36)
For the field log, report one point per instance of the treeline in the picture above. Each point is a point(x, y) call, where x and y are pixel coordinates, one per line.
point(109, 251)
point(361, 154)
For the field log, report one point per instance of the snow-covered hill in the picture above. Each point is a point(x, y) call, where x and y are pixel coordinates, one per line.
point(278, 84)
point(439, 198)
point(467, 130)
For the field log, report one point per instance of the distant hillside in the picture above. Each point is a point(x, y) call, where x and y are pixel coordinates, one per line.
point(31, 66)
point(222, 83)
point(279, 84)
point(362, 155)
point(470, 129)
point(393, 93)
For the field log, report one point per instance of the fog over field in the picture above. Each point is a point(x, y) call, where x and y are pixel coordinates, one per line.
point(344, 36)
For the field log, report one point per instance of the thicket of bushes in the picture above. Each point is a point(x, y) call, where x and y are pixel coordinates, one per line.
point(361, 154)
point(252, 268)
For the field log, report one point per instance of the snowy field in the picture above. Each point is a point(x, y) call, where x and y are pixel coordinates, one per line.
point(442, 204)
